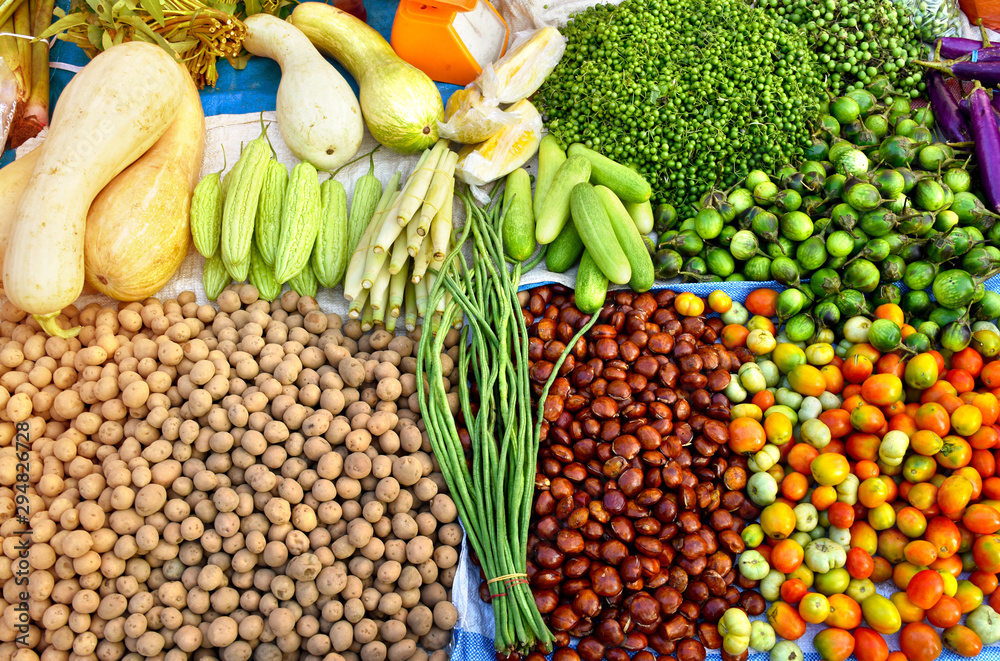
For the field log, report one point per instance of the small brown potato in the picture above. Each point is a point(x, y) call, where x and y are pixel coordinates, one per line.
point(390, 603)
point(342, 635)
point(404, 527)
point(407, 470)
point(426, 524)
point(281, 621)
point(420, 620)
point(387, 489)
point(445, 615)
point(425, 489)
point(223, 631)
point(435, 639)
point(373, 651)
point(419, 550)
point(357, 465)
point(445, 557)
point(393, 631)
point(352, 371)
point(402, 650)
point(443, 508)
point(450, 534)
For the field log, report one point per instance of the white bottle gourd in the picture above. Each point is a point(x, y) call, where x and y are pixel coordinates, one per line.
point(318, 114)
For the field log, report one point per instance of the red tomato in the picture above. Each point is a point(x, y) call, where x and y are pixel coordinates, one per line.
point(869, 645)
point(925, 588)
point(920, 642)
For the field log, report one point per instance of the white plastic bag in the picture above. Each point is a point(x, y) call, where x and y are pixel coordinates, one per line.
point(469, 120)
point(522, 70)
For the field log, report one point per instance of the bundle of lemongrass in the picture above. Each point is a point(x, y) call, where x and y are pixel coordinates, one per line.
point(398, 257)
point(24, 70)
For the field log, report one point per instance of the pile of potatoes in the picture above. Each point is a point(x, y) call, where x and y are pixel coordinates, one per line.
point(252, 482)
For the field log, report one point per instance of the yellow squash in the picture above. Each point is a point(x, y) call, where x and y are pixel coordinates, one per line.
point(137, 228)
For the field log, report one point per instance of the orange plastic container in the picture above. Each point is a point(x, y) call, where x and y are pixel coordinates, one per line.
point(449, 40)
point(988, 10)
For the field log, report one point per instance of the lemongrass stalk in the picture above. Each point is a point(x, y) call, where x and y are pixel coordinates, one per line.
point(418, 184)
point(399, 255)
point(358, 304)
point(443, 302)
point(379, 295)
point(421, 163)
point(397, 290)
point(390, 322)
point(459, 320)
point(413, 240)
point(36, 109)
point(356, 267)
point(374, 259)
point(7, 9)
point(388, 232)
point(442, 184)
point(421, 301)
point(410, 306)
point(442, 226)
point(367, 318)
point(421, 261)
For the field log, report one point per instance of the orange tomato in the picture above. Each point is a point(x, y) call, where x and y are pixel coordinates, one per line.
point(746, 436)
point(801, 456)
point(950, 402)
point(867, 418)
point(764, 399)
point(891, 363)
point(920, 642)
point(967, 359)
point(841, 515)
point(903, 422)
point(933, 417)
point(956, 453)
point(859, 563)
point(986, 553)
point(952, 564)
point(947, 612)
point(882, 389)
point(937, 390)
point(733, 336)
point(944, 535)
point(990, 375)
point(863, 446)
point(689, 305)
point(922, 496)
point(988, 405)
point(911, 522)
point(839, 422)
point(869, 645)
point(903, 573)
point(807, 380)
point(834, 378)
point(896, 656)
point(857, 368)
point(786, 620)
point(719, 301)
point(823, 497)
point(925, 588)
point(972, 475)
point(991, 488)
point(985, 438)
point(845, 613)
point(882, 571)
point(852, 397)
point(763, 302)
point(968, 596)
point(890, 311)
point(864, 536)
point(834, 644)
point(865, 469)
point(786, 556)
point(777, 520)
point(926, 442)
point(794, 486)
point(793, 590)
point(985, 581)
point(966, 420)
point(963, 641)
point(961, 380)
point(864, 349)
point(920, 552)
point(954, 494)
point(907, 611)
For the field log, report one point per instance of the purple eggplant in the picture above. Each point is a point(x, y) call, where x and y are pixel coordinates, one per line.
point(987, 136)
point(949, 120)
point(995, 100)
point(952, 48)
point(966, 111)
point(987, 73)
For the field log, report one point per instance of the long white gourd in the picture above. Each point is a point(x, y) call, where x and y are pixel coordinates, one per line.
point(115, 108)
point(318, 113)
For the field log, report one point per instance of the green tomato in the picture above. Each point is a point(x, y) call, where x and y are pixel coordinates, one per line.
point(737, 314)
point(802, 538)
point(986, 623)
point(771, 372)
point(840, 535)
point(770, 585)
point(735, 391)
point(810, 408)
point(767, 457)
point(762, 636)
point(806, 517)
point(762, 489)
point(753, 535)
point(847, 491)
point(830, 401)
point(822, 555)
point(789, 398)
point(786, 650)
point(834, 581)
point(893, 448)
point(752, 378)
point(815, 433)
point(735, 629)
point(753, 565)
point(860, 589)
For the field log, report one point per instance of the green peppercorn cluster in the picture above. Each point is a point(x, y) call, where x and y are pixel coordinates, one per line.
point(692, 93)
point(857, 40)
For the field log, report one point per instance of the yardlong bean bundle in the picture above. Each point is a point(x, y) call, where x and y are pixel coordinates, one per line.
point(494, 491)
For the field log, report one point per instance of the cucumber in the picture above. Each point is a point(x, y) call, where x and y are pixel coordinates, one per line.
point(555, 207)
point(550, 156)
point(628, 185)
point(565, 250)
point(642, 215)
point(629, 239)
point(519, 223)
point(598, 234)
point(591, 287)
